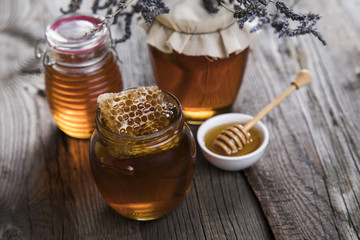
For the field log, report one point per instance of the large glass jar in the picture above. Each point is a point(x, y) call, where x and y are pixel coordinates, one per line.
point(198, 56)
point(144, 177)
point(204, 86)
point(78, 68)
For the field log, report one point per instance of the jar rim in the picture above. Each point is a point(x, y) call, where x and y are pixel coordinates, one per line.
point(171, 126)
point(67, 33)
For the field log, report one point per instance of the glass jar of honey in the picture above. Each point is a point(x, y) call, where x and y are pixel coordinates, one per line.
point(78, 67)
point(145, 169)
point(205, 86)
point(198, 56)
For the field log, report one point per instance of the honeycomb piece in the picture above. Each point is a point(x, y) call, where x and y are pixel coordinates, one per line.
point(136, 112)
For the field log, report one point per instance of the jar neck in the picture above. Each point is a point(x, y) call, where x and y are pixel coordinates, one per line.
point(78, 58)
point(121, 146)
point(72, 42)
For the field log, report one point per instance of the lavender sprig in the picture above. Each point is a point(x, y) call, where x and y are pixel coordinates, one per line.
point(306, 23)
point(244, 11)
point(127, 19)
point(150, 9)
point(73, 6)
point(108, 18)
point(249, 10)
point(210, 6)
point(96, 5)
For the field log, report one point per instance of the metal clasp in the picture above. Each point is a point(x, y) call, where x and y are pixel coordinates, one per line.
point(43, 51)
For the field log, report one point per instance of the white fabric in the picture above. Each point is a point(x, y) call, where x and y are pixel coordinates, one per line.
point(189, 29)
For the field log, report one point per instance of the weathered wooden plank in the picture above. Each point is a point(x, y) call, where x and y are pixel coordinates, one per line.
point(308, 182)
point(46, 186)
point(76, 209)
point(352, 8)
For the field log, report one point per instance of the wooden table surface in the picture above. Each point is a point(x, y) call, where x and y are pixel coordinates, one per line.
point(306, 186)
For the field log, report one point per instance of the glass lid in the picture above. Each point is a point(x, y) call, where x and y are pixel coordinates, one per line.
point(71, 33)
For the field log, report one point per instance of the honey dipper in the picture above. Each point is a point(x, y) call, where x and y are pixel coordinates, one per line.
point(233, 138)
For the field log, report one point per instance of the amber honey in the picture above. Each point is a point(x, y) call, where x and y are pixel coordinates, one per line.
point(78, 68)
point(145, 187)
point(72, 93)
point(142, 175)
point(205, 86)
point(255, 136)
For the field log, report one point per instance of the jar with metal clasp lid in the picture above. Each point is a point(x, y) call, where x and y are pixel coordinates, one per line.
point(78, 68)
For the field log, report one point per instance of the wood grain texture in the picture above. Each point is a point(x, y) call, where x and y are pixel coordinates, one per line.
point(308, 182)
point(306, 186)
point(46, 185)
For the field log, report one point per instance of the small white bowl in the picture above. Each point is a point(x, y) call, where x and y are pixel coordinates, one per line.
point(231, 163)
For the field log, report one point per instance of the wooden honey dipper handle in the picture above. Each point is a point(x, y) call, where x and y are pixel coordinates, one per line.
point(303, 78)
point(235, 137)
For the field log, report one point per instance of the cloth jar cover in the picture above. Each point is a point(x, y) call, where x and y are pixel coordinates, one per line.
point(191, 30)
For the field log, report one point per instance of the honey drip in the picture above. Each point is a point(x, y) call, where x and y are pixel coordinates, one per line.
point(72, 93)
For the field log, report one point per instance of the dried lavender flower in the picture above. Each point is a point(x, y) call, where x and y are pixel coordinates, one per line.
point(244, 11)
point(107, 19)
point(73, 6)
point(149, 9)
point(306, 23)
point(127, 20)
point(281, 20)
point(211, 6)
point(96, 5)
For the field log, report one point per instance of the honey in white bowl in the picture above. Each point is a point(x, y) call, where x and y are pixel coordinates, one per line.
point(255, 140)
